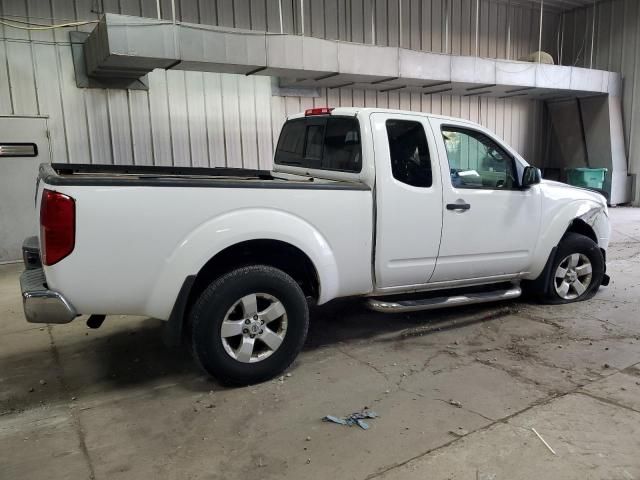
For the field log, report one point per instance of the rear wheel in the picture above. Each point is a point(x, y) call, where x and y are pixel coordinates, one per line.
point(249, 325)
point(576, 272)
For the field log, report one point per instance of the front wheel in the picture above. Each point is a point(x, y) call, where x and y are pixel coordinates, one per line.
point(249, 325)
point(577, 271)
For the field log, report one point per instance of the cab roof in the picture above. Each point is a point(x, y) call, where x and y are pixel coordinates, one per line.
point(354, 111)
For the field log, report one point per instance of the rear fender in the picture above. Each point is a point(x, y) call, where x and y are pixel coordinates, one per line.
point(210, 238)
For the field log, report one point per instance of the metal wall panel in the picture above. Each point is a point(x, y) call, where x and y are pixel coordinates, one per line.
point(196, 119)
point(263, 123)
point(64, 11)
point(189, 10)
point(49, 99)
point(278, 115)
point(231, 120)
point(75, 114)
point(215, 119)
point(41, 10)
point(6, 106)
point(140, 128)
point(21, 73)
point(159, 118)
point(178, 118)
point(120, 125)
point(247, 110)
point(99, 127)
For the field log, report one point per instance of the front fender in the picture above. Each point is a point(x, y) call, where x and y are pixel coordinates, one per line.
point(234, 227)
point(556, 224)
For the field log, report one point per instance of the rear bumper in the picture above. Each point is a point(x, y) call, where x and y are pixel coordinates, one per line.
point(40, 304)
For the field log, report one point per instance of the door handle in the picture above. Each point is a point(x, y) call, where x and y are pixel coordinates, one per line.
point(458, 206)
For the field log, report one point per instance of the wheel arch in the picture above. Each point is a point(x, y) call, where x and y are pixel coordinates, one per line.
point(275, 253)
point(206, 241)
point(578, 217)
point(579, 226)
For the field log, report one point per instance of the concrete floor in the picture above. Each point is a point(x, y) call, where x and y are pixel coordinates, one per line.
point(115, 403)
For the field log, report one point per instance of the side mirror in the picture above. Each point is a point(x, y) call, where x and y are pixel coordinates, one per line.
point(531, 176)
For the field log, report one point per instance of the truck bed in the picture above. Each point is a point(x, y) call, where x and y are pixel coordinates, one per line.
point(160, 176)
point(141, 231)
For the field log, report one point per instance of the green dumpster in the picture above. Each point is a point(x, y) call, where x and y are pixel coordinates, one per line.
point(586, 177)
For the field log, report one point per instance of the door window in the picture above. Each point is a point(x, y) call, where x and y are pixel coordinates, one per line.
point(476, 161)
point(410, 160)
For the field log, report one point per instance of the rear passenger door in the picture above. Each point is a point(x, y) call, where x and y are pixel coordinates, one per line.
point(408, 200)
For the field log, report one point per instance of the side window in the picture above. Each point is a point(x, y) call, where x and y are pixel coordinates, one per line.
point(291, 143)
point(342, 145)
point(476, 161)
point(410, 160)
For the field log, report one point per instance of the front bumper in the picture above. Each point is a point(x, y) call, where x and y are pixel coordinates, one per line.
point(40, 304)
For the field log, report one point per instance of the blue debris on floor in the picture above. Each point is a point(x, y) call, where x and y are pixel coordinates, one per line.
point(356, 418)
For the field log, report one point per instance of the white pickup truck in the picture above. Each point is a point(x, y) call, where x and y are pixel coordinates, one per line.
point(410, 211)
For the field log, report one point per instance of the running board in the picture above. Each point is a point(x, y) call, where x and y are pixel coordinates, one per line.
point(384, 306)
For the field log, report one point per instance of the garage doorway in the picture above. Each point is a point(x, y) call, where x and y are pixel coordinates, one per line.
point(24, 145)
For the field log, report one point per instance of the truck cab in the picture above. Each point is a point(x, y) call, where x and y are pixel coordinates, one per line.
point(455, 205)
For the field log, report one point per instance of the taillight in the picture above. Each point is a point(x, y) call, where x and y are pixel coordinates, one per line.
point(318, 111)
point(57, 226)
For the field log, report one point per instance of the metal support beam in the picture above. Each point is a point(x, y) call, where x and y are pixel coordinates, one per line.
point(540, 32)
point(477, 27)
point(562, 21)
point(509, 30)
point(593, 32)
point(373, 23)
point(400, 22)
point(446, 26)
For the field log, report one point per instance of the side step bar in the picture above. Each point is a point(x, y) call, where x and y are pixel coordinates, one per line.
point(380, 305)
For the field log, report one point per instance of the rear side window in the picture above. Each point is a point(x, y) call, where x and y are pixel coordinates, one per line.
point(291, 143)
point(331, 143)
point(410, 159)
point(342, 145)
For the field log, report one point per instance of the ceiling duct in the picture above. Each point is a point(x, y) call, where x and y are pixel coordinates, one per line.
point(129, 47)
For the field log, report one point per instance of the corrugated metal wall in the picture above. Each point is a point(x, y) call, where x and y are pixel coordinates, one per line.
point(199, 119)
point(616, 47)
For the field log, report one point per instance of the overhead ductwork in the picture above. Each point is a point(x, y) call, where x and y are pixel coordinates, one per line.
point(129, 47)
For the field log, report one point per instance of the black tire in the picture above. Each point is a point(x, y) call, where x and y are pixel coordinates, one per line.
point(572, 243)
point(213, 305)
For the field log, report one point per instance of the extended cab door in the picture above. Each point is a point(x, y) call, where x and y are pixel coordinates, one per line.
point(408, 200)
point(490, 224)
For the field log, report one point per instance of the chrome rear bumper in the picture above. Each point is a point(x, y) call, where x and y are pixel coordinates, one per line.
point(40, 304)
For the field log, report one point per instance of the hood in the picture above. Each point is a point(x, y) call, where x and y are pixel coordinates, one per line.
point(578, 193)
